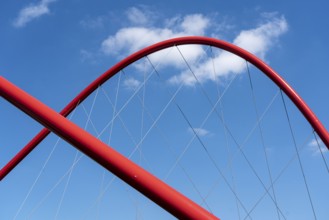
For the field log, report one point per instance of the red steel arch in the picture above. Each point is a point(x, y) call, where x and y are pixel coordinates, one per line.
point(275, 77)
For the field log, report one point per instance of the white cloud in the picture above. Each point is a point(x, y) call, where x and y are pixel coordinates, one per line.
point(93, 23)
point(128, 40)
point(199, 131)
point(140, 15)
point(225, 63)
point(131, 39)
point(314, 146)
point(131, 83)
point(195, 24)
point(257, 41)
point(32, 12)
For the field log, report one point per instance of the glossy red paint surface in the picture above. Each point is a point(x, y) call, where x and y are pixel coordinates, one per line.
point(276, 78)
point(152, 187)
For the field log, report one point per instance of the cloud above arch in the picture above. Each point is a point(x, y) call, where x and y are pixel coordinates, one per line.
point(32, 12)
point(257, 40)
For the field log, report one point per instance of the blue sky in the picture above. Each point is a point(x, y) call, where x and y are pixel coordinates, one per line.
point(54, 48)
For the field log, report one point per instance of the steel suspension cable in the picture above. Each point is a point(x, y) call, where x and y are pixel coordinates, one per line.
point(202, 124)
point(177, 162)
point(109, 140)
point(320, 150)
point(75, 157)
point(229, 153)
point(280, 174)
point(262, 140)
point(298, 156)
point(69, 171)
point(230, 133)
point(40, 173)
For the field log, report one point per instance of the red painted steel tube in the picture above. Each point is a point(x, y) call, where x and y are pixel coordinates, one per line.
point(276, 78)
point(159, 192)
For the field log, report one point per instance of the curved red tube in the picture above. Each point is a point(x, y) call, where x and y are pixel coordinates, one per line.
point(275, 77)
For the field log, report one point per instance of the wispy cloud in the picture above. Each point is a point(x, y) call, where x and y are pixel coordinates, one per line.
point(257, 40)
point(131, 83)
point(141, 15)
point(32, 12)
point(199, 131)
point(260, 39)
point(93, 23)
point(131, 39)
point(317, 147)
point(89, 57)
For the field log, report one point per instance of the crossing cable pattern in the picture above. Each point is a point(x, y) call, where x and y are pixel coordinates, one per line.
point(154, 124)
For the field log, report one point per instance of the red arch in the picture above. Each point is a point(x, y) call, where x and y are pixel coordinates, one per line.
point(276, 78)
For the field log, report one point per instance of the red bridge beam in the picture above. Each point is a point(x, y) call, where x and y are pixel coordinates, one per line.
point(276, 78)
point(159, 192)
